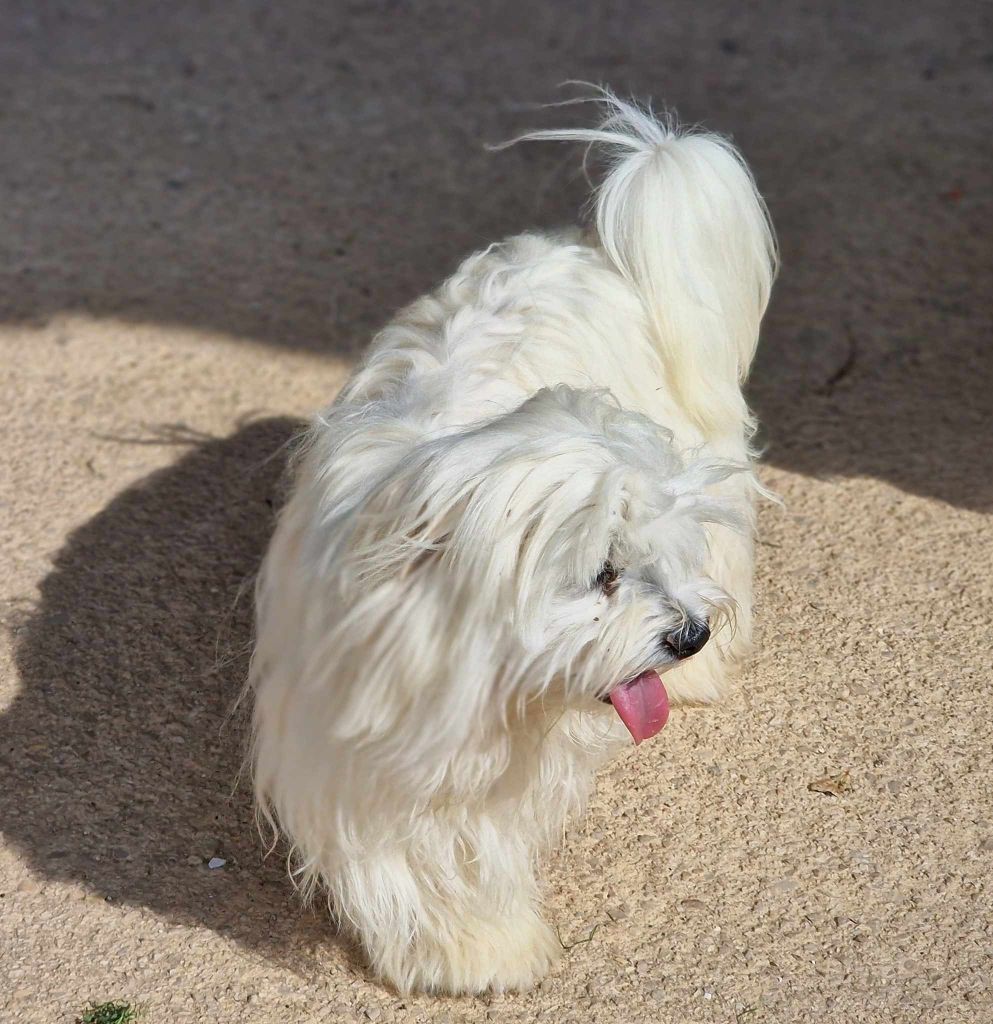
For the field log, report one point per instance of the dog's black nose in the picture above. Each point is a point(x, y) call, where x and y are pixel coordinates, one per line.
point(688, 639)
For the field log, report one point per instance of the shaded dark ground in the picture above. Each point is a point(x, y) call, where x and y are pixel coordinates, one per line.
point(120, 755)
point(291, 173)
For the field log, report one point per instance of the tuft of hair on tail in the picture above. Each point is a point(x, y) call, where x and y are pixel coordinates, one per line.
point(679, 215)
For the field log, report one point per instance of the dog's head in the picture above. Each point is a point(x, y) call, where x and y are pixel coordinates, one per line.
point(555, 553)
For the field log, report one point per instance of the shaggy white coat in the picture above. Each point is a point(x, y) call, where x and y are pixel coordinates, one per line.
point(433, 649)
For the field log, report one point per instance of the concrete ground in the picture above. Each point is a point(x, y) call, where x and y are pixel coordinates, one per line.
point(206, 208)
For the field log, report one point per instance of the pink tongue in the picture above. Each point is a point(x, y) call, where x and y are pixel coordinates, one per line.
point(642, 704)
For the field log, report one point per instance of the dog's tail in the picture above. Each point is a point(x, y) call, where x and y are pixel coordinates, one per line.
point(679, 215)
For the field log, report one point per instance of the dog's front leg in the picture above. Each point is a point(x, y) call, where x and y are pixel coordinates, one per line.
point(453, 911)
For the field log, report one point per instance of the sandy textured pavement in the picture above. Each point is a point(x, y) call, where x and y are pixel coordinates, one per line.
point(206, 208)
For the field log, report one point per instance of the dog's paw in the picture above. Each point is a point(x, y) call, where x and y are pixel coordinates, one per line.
point(504, 954)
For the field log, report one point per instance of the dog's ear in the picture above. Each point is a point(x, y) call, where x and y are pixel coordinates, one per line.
point(406, 521)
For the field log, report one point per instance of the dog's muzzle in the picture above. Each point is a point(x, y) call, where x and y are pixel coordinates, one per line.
point(687, 640)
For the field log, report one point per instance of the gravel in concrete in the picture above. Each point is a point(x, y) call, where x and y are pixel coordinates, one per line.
point(206, 209)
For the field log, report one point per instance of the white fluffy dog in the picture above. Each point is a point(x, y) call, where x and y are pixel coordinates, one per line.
point(530, 504)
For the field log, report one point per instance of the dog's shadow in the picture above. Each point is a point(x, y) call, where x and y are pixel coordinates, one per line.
point(121, 752)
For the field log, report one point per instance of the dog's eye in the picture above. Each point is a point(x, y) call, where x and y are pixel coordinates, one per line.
point(607, 577)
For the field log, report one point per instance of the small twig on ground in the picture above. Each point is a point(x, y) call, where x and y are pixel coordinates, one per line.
point(162, 434)
point(578, 942)
point(847, 364)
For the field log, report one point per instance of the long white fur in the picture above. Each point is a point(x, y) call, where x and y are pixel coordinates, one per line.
point(431, 646)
